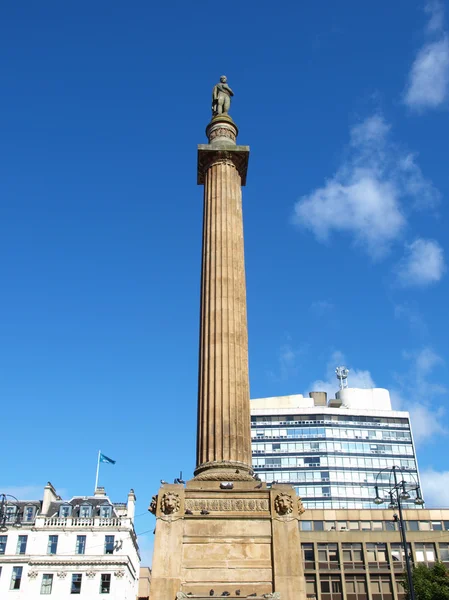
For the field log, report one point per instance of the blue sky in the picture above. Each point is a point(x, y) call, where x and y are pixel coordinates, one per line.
point(345, 107)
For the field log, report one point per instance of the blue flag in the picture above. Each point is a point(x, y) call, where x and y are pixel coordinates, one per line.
point(106, 459)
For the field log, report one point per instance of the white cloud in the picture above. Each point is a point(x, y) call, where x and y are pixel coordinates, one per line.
point(357, 378)
point(428, 82)
point(435, 488)
point(418, 394)
point(423, 263)
point(364, 197)
point(435, 11)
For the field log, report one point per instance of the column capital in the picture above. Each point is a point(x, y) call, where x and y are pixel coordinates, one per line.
point(209, 154)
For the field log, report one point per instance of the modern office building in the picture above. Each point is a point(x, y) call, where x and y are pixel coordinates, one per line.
point(84, 546)
point(358, 555)
point(332, 451)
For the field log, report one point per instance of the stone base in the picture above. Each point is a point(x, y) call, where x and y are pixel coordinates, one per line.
point(242, 541)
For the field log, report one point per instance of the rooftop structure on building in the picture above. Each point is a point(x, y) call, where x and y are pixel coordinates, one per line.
point(85, 545)
point(331, 450)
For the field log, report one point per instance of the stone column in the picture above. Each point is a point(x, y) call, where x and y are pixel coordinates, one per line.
point(224, 437)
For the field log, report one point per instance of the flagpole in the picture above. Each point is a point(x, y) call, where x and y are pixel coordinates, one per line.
point(98, 471)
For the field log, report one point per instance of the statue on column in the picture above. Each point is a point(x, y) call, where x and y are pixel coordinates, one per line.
point(221, 97)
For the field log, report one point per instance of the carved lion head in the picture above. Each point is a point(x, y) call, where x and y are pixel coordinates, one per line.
point(170, 503)
point(283, 504)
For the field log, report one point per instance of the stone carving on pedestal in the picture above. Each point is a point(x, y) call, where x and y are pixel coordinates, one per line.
point(181, 595)
point(170, 503)
point(301, 509)
point(283, 504)
point(273, 595)
point(153, 505)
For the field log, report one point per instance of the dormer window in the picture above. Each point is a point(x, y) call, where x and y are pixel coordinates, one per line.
point(106, 511)
point(85, 511)
point(28, 513)
point(11, 513)
point(65, 510)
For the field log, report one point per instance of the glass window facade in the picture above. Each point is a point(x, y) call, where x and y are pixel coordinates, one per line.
point(332, 457)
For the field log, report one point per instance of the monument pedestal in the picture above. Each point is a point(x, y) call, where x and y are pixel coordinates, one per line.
point(243, 541)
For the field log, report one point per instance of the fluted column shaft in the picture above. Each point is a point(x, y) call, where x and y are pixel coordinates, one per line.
point(224, 436)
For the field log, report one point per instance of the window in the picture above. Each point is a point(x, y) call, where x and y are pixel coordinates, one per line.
point(310, 587)
point(28, 513)
point(3, 540)
point(381, 587)
point(352, 554)
point(105, 585)
point(328, 556)
point(354, 525)
point(356, 587)
point(10, 513)
point(377, 526)
point(85, 511)
point(318, 526)
point(306, 525)
point(376, 553)
point(308, 556)
point(330, 587)
point(437, 526)
point(21, 544)
point(47, 583)
point(65, 510)
point(424, 526)
point(412, 525)
point(80, 544)
point(398, 556)
point(402, 594)
point(105, 511)
point(52, 544)
point(425, 553)
point(109, 544)
point(444, 552)
point(16, 578)
point(76, 583)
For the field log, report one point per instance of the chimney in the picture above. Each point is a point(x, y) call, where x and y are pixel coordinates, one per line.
point(100, 492)
point(49, 497)
point(131, 506)
point(319, 398)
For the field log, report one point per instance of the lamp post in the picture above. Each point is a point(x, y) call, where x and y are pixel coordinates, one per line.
point(4, 517)
point(397, 492)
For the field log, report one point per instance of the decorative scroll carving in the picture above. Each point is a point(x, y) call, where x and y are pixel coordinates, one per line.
point(273, 595)
point(62, 574)
point(181, 595)
point(32, 574)
point(301, 509)
point(153, 505)
point(228, 504)
point(119, 574)
point(90, 574)
point(170, 503)
point(283, 504)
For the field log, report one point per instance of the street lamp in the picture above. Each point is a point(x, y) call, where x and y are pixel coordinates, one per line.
point(4, 515)
point(398, 493)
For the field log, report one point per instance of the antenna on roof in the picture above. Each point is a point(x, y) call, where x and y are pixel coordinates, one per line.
point(342, 376)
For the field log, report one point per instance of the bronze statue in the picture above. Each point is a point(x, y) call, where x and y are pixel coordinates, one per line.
point(221, 97)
